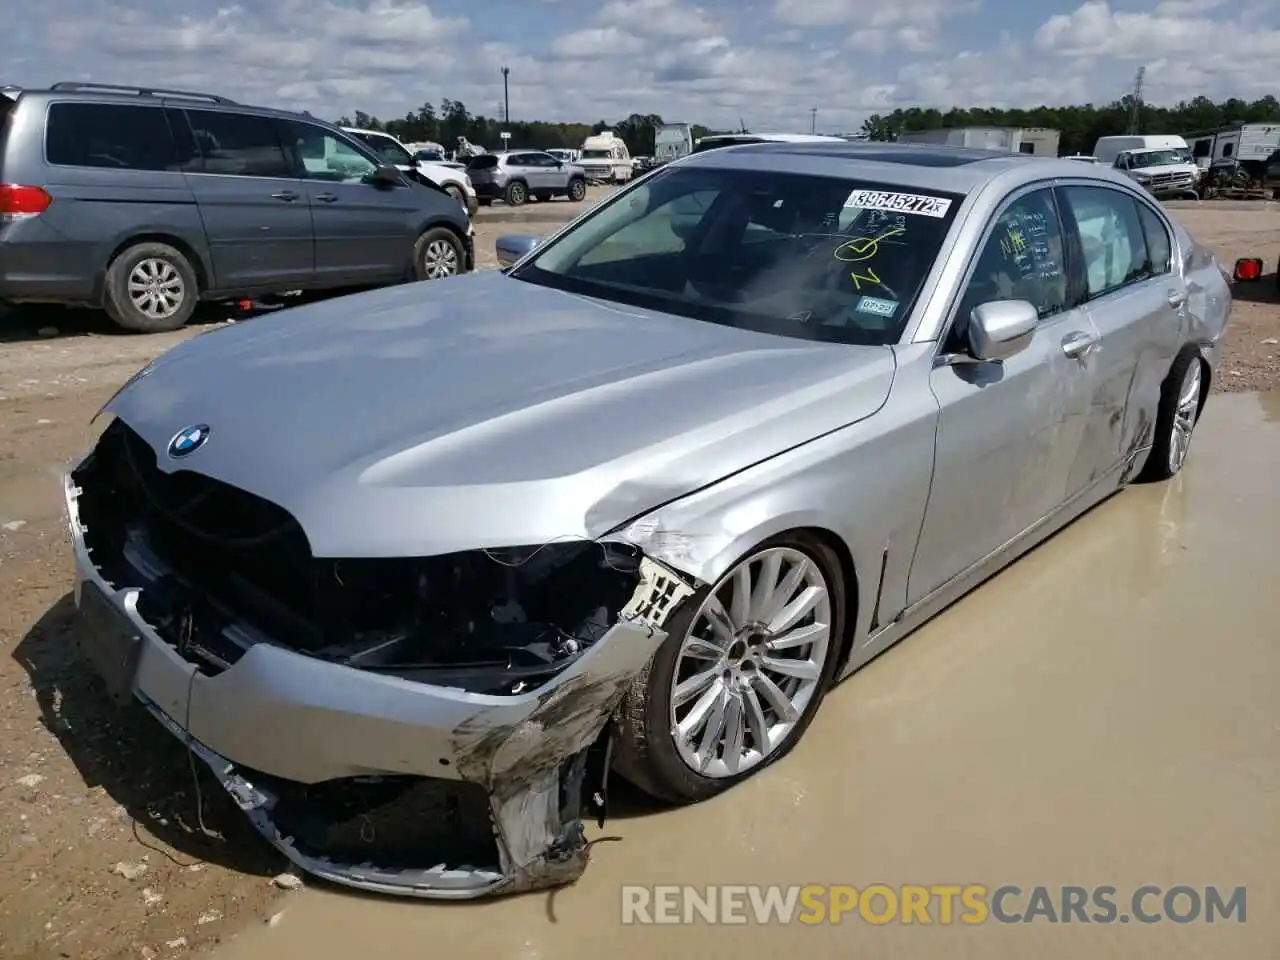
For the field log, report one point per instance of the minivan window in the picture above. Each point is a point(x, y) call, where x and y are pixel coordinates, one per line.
point(113, 136)
point(237, 144)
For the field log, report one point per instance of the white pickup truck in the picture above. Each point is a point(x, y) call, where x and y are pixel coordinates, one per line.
point(1162, 170)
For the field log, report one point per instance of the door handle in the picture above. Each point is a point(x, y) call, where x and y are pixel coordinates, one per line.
point(1078, 344)
point(326, 197)
point(1177, 298)
point(286, 195)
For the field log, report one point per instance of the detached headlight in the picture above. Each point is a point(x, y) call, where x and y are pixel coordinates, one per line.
point(499, 621)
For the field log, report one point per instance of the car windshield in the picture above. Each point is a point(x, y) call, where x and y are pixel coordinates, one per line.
point(596, 154)
point(1153, 158)
point(817, 258)
point(390, 151)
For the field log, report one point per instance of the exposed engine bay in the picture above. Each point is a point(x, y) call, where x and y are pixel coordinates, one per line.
point(491, 621)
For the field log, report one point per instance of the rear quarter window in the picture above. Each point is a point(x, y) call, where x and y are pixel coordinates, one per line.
point(109, 136)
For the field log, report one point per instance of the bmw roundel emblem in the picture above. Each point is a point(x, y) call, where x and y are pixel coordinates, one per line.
point(188, 440)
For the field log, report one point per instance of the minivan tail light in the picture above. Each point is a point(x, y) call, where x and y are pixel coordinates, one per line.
point(17, 202)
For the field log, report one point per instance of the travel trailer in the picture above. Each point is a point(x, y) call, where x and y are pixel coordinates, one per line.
point(671, 141)
point(1248, 143)
point(1034, 141)
point(605, 157)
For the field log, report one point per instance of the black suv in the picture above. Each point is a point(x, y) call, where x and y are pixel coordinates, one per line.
point(143, 201)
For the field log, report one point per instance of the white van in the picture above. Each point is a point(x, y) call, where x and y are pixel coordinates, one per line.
point(606, 157)
point(1108, 148)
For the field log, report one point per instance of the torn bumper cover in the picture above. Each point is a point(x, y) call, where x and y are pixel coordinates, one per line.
point(365, 778)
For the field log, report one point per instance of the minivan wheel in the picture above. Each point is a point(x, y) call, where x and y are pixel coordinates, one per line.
point(516, 194)
point(150, 288)
point(577, 190)
point(438, 254)
point(738, 680)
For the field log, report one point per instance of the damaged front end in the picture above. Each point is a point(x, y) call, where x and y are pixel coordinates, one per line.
point(433, 726)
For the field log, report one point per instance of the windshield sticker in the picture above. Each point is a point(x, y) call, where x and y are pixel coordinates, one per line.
point(866, 276)
point(860, 249)
point(874, 305)
point(899, 202)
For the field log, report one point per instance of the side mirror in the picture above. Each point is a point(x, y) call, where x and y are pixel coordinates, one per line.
point(1247, 269)
point(511, 247)
point(386, 175)
point(1001, 328)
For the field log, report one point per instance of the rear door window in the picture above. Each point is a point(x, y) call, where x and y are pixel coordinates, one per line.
point(237, 144)
point(110, 136)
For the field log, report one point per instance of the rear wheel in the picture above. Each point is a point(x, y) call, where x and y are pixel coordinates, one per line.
point(740, 675)
point(1177, 415)
point(438, 254)
point(151, 288)
point(517, 194)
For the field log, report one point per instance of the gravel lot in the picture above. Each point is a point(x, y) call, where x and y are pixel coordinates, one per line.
point(109, 850)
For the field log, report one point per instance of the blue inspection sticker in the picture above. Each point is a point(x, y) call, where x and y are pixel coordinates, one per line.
point(881, 308)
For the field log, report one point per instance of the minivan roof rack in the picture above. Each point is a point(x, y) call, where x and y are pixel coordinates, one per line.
point(70, 85)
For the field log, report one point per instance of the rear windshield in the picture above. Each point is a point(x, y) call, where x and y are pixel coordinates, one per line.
point(817, 258)
point(704, 145)
point(482, 163)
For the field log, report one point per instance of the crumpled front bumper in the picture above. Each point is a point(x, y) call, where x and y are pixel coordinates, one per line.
point(276, 715)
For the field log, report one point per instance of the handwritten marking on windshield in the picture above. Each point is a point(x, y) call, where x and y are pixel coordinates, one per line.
point(869, 276)
point(861, 249)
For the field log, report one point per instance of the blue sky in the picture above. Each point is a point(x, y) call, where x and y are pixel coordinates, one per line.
point(766, 61)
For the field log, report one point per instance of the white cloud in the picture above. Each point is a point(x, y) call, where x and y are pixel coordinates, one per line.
point(767, 62)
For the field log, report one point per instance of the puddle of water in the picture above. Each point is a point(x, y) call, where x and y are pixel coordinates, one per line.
point(1103, 712)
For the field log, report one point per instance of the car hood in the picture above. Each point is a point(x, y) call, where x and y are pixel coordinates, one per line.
point(484, 411)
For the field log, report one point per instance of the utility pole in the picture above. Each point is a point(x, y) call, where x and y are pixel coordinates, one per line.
point(813, 119)
point(506, 96)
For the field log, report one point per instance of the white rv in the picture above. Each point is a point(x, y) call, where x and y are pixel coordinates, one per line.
point(671, 141)
point(605, 157)
point(1244, 142)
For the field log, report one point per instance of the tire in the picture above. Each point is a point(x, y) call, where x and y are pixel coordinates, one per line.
point(647, 753)
point(455, 191)
point(577, 189)
point(150, 288)
point(517, 194)
point(438, 254)
point(1181, 401)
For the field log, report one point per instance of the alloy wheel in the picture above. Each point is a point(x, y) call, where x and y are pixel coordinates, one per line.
point(751, 662)
point(156, 288)
point(1184, 417)
point(439, 259)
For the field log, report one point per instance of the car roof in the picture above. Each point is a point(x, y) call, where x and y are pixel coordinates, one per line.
point(921, 165)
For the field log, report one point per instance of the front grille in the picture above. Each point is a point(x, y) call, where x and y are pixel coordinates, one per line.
point(245, 553)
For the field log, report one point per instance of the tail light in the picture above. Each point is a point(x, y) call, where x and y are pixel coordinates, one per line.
point(17, 202)
point(1247, 268)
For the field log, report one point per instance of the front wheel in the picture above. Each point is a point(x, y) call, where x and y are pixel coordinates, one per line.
point(1176, 416)
point(740, 675)
point(438, 254)
point(577, 190)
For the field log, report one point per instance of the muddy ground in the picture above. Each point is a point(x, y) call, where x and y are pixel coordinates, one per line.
point(109, 844)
